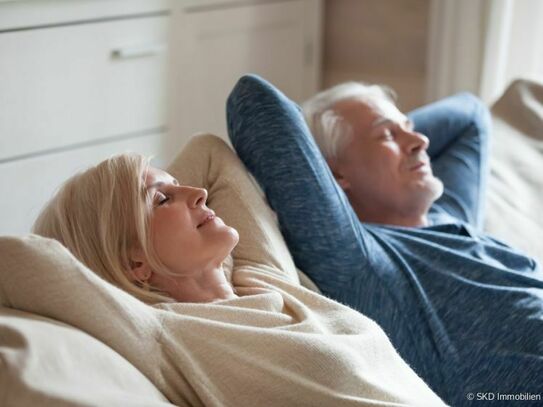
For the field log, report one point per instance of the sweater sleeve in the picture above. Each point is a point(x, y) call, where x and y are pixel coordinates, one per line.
point(459, 130)
point(322, 231)
point(208, 162)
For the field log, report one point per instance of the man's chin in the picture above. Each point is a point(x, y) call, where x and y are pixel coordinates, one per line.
point(429, 190)
point(435, 188)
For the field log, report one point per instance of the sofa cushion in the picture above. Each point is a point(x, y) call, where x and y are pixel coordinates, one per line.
point(48, 363)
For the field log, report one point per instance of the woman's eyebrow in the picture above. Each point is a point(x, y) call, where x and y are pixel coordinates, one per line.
point(162, 183)
point(154, 185)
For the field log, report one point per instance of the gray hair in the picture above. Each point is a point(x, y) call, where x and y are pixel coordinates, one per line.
point(331, 131)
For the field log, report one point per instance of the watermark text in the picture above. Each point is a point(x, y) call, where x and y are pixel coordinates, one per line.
point(496, 396)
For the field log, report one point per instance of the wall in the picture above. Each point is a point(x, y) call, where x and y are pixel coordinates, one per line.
point(381, 41)
point(482, 45)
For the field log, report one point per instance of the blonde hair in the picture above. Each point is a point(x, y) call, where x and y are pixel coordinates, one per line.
point(331, 131)
point(101, 215)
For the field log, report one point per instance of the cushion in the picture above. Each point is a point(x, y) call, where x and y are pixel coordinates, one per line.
point(48, 363)
point(514, 205)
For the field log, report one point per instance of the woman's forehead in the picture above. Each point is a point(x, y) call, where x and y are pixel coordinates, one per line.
point(155, 176)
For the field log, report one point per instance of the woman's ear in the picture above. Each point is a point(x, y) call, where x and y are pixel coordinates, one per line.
point(140, 271)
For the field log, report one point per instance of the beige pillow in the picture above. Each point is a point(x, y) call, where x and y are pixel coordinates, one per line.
point(47, 363)
point(515, 184)
point(50, 363)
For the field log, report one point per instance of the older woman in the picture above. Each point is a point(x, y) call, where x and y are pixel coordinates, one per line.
point(204, 336)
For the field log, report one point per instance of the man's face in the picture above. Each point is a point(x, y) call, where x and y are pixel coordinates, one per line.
point(384, 167)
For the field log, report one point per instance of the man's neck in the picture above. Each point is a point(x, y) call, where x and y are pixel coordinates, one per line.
point(414, 220)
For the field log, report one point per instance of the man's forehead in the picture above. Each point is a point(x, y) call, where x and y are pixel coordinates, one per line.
point(369, 112)
point(384, 111)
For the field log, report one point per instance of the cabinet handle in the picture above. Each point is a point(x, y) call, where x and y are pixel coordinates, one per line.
point(138, 51)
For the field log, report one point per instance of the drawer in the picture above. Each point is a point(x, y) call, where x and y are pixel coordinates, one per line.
point(15, 14)
point(70, 84)
point(28, 184)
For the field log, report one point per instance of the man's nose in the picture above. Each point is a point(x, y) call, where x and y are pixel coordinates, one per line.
point(416, 141)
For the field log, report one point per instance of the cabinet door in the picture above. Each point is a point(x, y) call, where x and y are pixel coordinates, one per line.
point(28, 184)
point(74, 84)
point(214, 47)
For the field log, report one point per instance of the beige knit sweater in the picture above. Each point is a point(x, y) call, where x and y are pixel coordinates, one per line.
point(278, 344)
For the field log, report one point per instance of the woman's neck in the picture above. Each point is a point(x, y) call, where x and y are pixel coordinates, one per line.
point(208, 286)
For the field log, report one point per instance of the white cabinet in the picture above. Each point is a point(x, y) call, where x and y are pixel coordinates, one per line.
point(218, 42)
point(72, 84)
point(80, 81)
point(84, 79)
point(29, 183)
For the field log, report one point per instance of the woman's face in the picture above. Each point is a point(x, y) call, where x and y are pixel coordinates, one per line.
point(186, 235)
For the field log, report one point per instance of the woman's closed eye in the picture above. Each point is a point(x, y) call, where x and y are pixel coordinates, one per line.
point(160, 198)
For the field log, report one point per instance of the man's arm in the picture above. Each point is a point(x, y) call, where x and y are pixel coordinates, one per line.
point(459, 129)
point(321, 229)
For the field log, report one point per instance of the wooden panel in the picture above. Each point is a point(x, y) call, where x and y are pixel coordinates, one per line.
point(64, 85)
point(383, 41)
point(27, 185)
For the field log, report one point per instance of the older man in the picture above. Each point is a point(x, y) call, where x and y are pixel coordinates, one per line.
point(396, 238)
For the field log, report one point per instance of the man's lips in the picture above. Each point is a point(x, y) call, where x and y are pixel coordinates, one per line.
point(209, 216)
point(418, 166)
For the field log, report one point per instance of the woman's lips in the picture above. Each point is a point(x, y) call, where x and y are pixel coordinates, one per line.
point(209, 217)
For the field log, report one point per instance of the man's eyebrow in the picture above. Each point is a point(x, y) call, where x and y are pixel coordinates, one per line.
point(384, 120)
point(380, 121)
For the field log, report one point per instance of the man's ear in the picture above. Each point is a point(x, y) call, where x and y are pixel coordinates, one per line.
point(342, 181)
point(338, 175)
point(140, 271)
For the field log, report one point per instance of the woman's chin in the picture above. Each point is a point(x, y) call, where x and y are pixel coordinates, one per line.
point(233, 236)
point(228, 238)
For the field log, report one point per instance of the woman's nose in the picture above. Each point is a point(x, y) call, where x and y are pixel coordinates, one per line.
point(198, 197)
